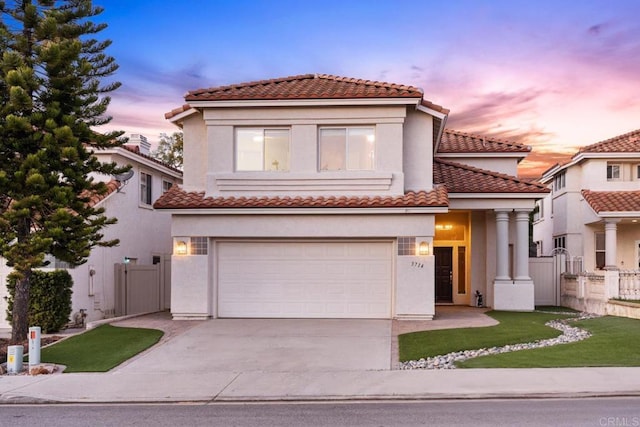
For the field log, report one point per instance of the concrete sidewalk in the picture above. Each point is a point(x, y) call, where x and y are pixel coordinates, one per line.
point(210, 386)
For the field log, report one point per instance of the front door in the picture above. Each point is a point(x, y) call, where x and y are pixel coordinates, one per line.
point(444, 273)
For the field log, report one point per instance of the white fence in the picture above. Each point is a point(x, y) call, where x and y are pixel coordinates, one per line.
point(592, 292)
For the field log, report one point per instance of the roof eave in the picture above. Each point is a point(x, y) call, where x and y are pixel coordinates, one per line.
point(303, 102)
point(306, 211)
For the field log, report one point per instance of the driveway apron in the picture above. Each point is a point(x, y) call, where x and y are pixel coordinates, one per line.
point(272, 345)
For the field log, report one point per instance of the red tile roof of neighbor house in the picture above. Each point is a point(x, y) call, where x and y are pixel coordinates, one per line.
point(459, 178)
point(95, 198)
point(613, 201)
point(177, 198)
point(629, 142)
point(305, 86)
point(136, 150)
point(460, 142)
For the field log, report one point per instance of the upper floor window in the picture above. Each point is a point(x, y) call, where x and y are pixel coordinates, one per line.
point(145, 188)
point(538, 211)
point(350, 148)
point(638, 172)
point(166, 186)
point(559, 181)
point(262, 149)
point(613, 172)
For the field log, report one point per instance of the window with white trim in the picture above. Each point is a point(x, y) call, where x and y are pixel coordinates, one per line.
point(145, 188)
point(166, 186)
point(613, 172)
point(260, 149)
point(347, 148)
point(559, 181)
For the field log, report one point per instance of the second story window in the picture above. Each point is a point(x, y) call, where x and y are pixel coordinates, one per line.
point(613, 172)
point(351, 148)
point(145, 188)
point(262, 149)
point(559, 181)
point(166, 186)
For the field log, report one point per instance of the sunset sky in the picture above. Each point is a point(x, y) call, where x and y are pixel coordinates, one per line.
point(551, 74)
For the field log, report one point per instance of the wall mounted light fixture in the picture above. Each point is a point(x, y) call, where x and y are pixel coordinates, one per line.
point(180, 247)
point(423, 249)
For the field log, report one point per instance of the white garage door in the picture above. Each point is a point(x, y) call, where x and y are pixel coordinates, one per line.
point(305, 279)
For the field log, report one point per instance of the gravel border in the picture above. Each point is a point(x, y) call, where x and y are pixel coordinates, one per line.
point(447, 361)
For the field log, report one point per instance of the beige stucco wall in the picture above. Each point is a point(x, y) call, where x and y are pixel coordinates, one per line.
point(417, 151)
point(193, 277)
point(403, 151)
point(196, 152)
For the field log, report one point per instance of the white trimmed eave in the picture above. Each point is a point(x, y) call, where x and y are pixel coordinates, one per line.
point(178, 118)
point(497, 195)
point(332, 102)
point(141, 160)
point(441, 116)
point(617, 214)
point(480, 155)
point(431, 111)
point(307, 211)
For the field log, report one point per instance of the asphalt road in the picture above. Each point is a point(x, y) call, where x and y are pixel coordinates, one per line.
point(604, 412)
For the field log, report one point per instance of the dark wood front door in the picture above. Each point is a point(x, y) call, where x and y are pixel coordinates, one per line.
point(444, 274)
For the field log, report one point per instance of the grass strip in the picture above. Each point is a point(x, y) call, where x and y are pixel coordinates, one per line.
point(615, 341)
point(514, 328)
point(100, 349)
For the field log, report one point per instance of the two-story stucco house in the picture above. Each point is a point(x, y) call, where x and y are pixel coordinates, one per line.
point(330, 197)
point(594, 207)
point(144, 233)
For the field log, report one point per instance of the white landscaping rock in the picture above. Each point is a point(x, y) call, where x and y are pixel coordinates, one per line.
point(447, 361)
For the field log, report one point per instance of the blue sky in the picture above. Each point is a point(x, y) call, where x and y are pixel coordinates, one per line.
point(551, 74)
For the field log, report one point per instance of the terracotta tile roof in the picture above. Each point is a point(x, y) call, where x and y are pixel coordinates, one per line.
point(459, 178)
point(94, 198)
point(177, 198)
point(433, 106)
point(629, 142)
point(613, 201)
point(176, 111)
point(460, 142)
point(307, 86)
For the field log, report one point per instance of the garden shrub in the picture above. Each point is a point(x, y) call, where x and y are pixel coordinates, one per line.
point(49, 299)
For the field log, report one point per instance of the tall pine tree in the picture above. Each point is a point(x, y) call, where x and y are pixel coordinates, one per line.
point(52, 96)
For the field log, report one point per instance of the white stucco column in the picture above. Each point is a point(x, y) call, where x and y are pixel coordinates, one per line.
point(522, 245)
point(502, 245)
point(610, 243)
point(508, 294)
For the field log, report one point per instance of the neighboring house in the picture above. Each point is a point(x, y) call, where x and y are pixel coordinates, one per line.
point(330, 197)
point(144, 233)
point(594, 207)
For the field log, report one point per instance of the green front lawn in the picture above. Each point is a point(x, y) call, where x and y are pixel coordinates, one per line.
point(514, 328)
point(100, 349)
point(615, 341)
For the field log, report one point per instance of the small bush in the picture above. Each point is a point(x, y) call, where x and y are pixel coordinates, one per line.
point(49, 299)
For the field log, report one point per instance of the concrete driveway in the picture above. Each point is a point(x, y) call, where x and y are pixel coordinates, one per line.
point(270, 345)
